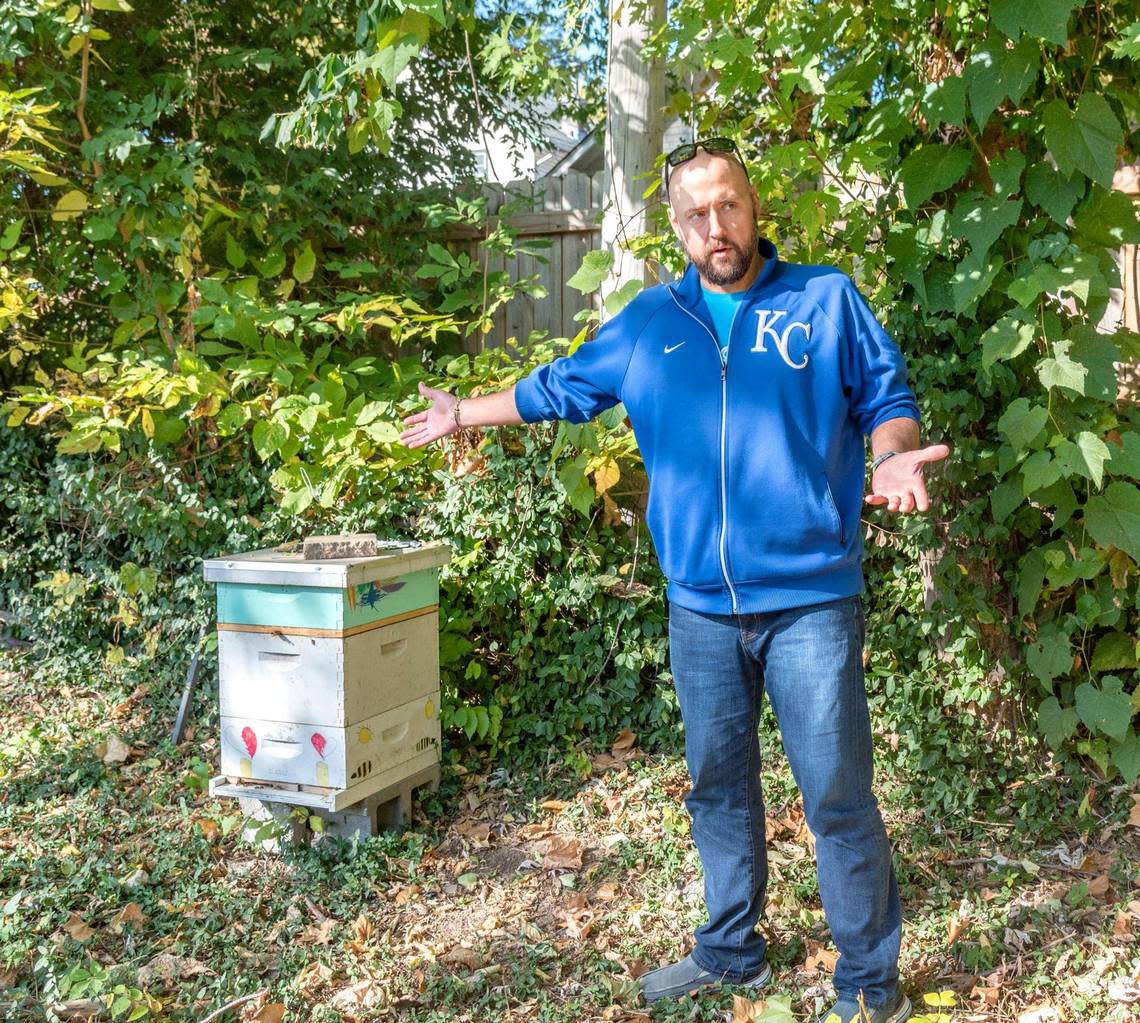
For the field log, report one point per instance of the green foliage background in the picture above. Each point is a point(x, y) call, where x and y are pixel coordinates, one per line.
point(223, 275)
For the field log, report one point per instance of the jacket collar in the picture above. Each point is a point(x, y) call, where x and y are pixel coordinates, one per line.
point(688, 288)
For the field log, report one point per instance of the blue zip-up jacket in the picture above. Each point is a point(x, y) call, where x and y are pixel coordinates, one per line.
point(755, 456)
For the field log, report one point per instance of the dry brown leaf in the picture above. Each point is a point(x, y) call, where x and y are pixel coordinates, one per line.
point(468, 958)
point(361, 997)
point(274, 1012)
point(319, 934)
point(131, 913)
point(8, 977)
point(988, 995)
point(165, 967)
point(820, 958)
point(116, 751)
point(607, 892)
point(477, 832)
point(406, 894)
point(1122, 926)
point(1099, 886)
point(560, 852)
point(625, 740)
point(579, 917)
point(954, 928)
point(531, 832)
point(744, 1010)
point(1134, 816)
point(312, 977)
point(1124, 990)
point(78, 928)
point(1041, 1013)
point(210, 830)
point(554, 805)
point(362, 928)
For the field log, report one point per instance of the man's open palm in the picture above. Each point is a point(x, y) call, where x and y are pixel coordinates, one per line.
point(437, 421)
point(898, 482)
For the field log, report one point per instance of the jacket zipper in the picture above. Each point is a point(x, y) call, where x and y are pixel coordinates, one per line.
point(722, 354)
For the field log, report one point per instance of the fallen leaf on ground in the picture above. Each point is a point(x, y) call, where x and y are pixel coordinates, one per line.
point(78, 1008)
point(477, 832)
point(131, 913)
point(625, 739)
point(1098, 886)
point(554, 805)
point(311, 977)
point(607, 891)
point(362, 928)
point(274, 1012)
point(165, 967)
point(210, 830)
point(1124, 990)
point(820, 958)
point(579, 917)
point(360, 997)
point(318, 934)
point(561, 853)
point(78, 928)
point(955, 928)
point(1041, 1014)
point(468, 958)
point(8, 978)
point(1134, 816)
point(116, 751)
point(531, 832)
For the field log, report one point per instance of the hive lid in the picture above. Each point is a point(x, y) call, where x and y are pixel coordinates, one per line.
point(275, 567)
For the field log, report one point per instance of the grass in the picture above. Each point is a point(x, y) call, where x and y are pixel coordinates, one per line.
point(127, 892)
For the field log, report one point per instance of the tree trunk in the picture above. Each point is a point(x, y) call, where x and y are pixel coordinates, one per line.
point(635, 97)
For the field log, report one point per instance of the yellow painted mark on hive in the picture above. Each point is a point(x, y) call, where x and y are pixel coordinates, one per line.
point(429, 710)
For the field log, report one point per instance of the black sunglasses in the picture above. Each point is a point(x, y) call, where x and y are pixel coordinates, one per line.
point(717, 145)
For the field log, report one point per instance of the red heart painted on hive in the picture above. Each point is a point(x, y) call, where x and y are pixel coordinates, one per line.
point(250, 740)
point(318, 742)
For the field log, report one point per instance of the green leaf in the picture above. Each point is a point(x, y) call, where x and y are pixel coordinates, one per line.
point(944, 102)
point(594, 269)
point(1108, 218)
point(273, 263)
point(1007, 338)
point(1124, 458)
point(1086, 457)
point(1055, 722)
point(1126, 756)
point(1052, 191)
point(981, 220)
point(994, 73)
point(1005, 498)
point(1085, 139)
point(235, 254)
point(1042, 19)
point(616, 301)
point(1099, 356)
point(1061, 371)
point(1105, 708)
point(1050, 656)
point(1114, 652)
point(1113, 518)
point(972, 279)
point(1022, 422)
point(119, 6)
point(1128, 45)
point(268, 436)
point(304, 263)
point(931, 169)
point(1039, 470)
point(11, 234)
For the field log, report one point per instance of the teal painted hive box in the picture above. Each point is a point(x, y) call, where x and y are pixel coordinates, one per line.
point(329, 670)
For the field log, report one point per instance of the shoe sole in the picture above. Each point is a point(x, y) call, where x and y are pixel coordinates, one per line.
point(903, 1013)
point(677, 990)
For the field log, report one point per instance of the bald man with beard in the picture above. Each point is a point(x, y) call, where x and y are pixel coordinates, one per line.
point(751, 385)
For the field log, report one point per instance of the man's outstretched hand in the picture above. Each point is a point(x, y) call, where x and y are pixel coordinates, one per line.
point(437, 421)
point(898, 481)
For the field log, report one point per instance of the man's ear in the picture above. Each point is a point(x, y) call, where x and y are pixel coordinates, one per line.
point(674, 222)
point(756, 208)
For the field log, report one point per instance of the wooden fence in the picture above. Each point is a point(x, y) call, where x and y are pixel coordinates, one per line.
point(566, 210)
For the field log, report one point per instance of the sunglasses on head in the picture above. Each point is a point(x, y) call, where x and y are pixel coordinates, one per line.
point(718, 145)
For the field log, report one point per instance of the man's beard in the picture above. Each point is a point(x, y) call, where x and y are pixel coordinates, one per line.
point(724, 274)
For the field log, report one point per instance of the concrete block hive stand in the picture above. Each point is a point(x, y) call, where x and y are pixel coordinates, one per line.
point(329, 680)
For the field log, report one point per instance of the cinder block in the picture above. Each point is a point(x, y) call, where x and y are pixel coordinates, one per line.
point(295, 829)
point(342, 545)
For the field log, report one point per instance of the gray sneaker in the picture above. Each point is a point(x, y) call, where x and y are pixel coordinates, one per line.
point(677, 978)
point(847, 1010)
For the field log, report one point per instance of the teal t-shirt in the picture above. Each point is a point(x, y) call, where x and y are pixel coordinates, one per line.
point(722, 306)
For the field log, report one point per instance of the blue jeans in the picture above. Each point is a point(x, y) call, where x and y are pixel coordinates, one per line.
point(810, 662)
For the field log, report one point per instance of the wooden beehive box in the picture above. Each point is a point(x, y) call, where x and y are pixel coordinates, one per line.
point(328, 670)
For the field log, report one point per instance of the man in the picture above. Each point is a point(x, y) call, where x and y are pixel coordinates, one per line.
point(750, 385)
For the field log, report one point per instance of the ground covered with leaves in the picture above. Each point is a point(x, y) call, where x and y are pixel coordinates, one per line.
point(127, 892)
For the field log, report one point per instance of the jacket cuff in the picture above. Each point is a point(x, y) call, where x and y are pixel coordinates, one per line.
point(526, 403)
point(903, 410)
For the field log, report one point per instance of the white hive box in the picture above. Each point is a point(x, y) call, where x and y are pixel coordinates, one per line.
point(328, 672)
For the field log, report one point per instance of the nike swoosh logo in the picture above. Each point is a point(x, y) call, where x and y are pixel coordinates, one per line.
point(673, 349)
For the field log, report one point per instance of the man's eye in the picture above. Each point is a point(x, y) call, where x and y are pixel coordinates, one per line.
point(696, 215)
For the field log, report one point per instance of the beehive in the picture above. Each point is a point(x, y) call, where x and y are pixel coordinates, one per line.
point(328, 670)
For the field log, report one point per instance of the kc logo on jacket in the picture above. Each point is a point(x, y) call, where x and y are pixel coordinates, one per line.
point(766, 325)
